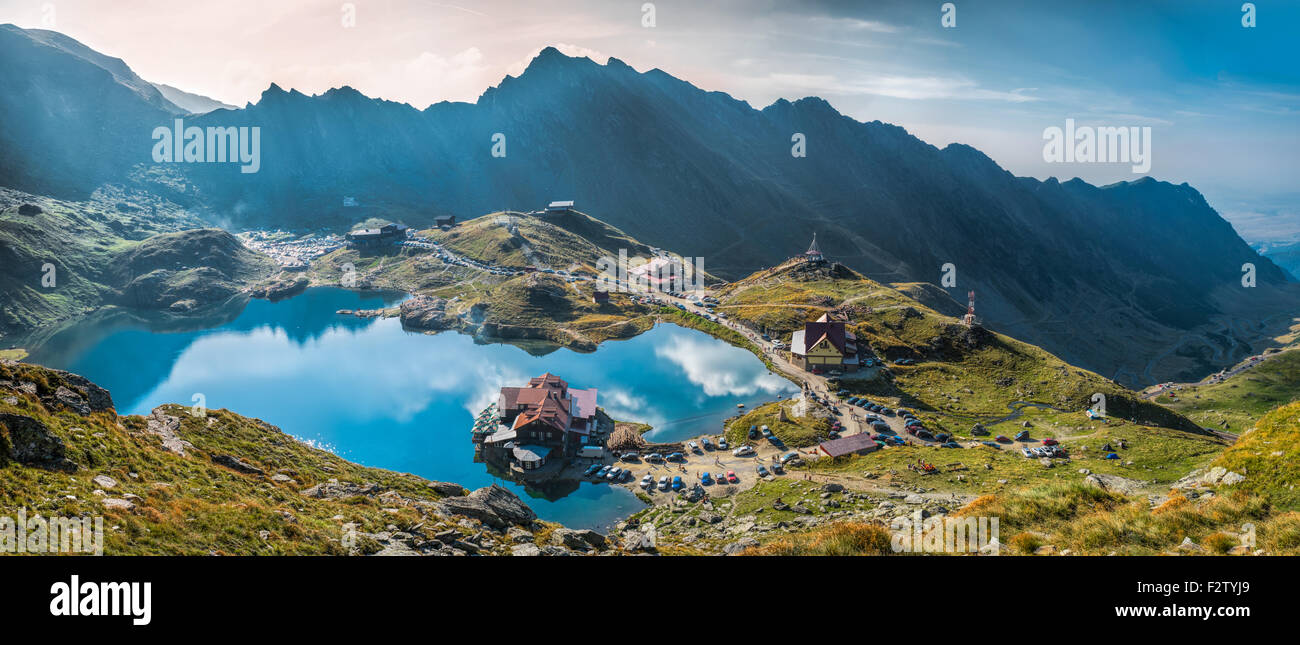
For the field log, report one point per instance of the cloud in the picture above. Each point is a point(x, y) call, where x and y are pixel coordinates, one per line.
point(720, 369)
point(894, 86)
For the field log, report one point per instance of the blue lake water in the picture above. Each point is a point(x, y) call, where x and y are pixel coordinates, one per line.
point(381, 396)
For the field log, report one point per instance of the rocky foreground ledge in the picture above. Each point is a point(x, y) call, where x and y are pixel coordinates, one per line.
point(181, 481)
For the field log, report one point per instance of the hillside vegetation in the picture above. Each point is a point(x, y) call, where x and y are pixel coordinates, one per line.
point(960, 374)
point(60, 259)
point(177, 483)
point(1236, 403)
point(533, 306)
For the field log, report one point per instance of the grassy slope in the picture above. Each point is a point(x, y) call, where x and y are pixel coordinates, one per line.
point(190, 505)
point(570, 241)
point(1269, 457)
point(1237, 403)
point(92, 244)
point(959, 375)
point(532, 306)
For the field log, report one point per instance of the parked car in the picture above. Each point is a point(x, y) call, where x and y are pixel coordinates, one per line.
point(767, 432)
point(762, 472)
point(706, 479)
point(591, 470)
point(676, 456)
point(614, 474)
point(677, 483)
point(1049, 442)
point(777, 468)
point(743, 451)
point(1001, 439)
point(654, 457)
point(789, 457)
point(600, 474)
point(708, 445)
point(723, 445)
point(693, 447)
point(731, 477)
point(647, 481)
point(630, 456)
point(663, 483)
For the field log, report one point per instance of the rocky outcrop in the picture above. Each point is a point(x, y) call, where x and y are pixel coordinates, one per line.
point(492, 505)
point(29, 442)
point(333, 489)
point(578, 540)
point(426, 312)
point(446, 489)
point(280, 288)
point(166, 426)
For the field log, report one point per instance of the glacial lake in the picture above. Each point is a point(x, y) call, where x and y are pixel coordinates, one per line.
point(382, 396)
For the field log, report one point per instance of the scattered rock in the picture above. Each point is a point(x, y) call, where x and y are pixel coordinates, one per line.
point(166, 427)
point(104, 481)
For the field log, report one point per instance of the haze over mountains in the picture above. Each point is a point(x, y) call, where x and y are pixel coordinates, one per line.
point(1140, 280)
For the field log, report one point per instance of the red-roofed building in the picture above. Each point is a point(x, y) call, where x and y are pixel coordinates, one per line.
point(541, 420)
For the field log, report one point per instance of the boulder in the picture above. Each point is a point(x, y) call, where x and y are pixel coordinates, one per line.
point(104, 481)
point(492, 505)
point(72, 400)
point(578, 540)
point(235, 463)
point(739, 545)
point(33, 444)
point(446, 489)
point(525, 550)
point(96, 398)
point(832, 488)
point(118, 504)
point(518, 535)
point(334, 490)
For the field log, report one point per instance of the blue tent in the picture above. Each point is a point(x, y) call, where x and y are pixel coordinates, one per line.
point(1112, 456)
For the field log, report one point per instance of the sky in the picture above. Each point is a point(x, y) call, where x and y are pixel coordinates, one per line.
point(1222, 99)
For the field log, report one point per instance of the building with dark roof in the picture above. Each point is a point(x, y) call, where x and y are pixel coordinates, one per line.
point(823, 345)
point(372, 237)
point(854, 444)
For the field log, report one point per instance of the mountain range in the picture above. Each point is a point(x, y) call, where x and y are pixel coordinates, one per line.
point(1139, 280)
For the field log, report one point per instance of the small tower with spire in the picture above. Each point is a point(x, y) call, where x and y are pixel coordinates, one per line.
point(969, 318)
point(814, 254)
